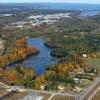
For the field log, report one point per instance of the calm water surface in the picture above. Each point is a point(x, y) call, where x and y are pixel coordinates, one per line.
point(89, 13)
point(39, 61)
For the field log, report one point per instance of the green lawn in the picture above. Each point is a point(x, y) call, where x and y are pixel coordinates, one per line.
point(94, 63)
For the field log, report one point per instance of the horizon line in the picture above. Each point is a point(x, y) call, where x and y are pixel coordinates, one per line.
point(48, 2)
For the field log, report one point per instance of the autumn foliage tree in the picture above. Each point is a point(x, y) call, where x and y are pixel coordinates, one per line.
point(19, 51)
point(29, 74)
point(11, 75)
point(1, 72)
point(93, 55)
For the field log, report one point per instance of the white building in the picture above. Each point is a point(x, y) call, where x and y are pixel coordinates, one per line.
point(85, 55)
point(77, 89)
point(76, 80)
point(42, 86)
point(1, 44)
point(61, 87)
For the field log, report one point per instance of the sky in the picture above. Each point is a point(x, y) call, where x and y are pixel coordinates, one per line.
point(56, 1)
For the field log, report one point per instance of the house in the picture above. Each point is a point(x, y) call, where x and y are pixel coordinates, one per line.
point(61, 87)
point(77, 89)
point(19, 26)
point(80, 71)
point(42, 86)
point(76, 80)
point(85, 55)
point(1, 44)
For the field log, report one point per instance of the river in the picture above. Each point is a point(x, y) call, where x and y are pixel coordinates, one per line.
point(39, 61)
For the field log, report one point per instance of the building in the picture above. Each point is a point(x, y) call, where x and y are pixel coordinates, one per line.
point(42, 86)
point(61, 87)
point(76, 80)
point(85, 55)
point(77, 89)
point(1, 44)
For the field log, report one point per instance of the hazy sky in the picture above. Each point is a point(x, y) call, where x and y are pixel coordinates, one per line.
point(61, 1)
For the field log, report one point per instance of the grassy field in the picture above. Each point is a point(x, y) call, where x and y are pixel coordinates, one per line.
point(94, 63)
point(85, 83)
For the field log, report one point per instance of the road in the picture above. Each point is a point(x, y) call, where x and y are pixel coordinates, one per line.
point(50, 92)
point(2, 85)
point(9, 88)
point(4, 95)
point(50, 98)
point(88, 90)
point(90, 98)
point(81, 96)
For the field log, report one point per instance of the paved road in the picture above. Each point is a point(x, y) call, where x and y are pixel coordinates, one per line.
point(90, 98)
point(50, 92)
point(52, 96)
point(78, 97)
point(9, 88)
point(4, 95)
point(2, 85)
point(85, 92)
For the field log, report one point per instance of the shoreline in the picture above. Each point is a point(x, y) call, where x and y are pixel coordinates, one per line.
point(18, 61)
